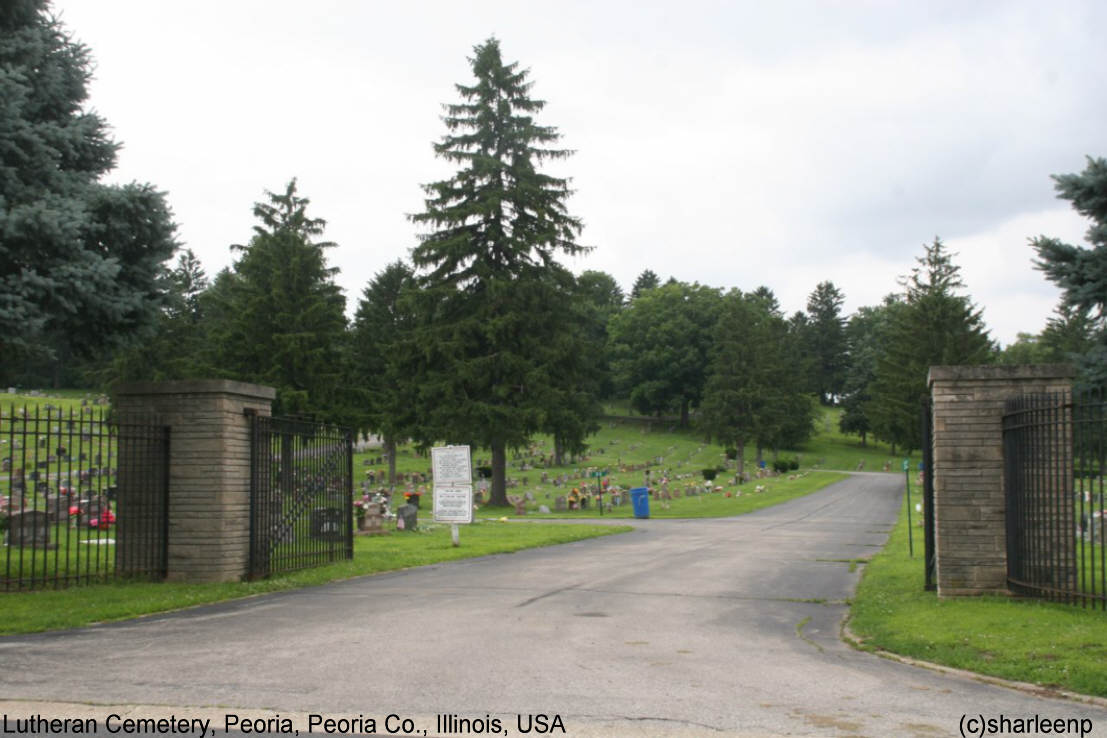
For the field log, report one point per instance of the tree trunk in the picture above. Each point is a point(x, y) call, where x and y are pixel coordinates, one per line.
point(390, 450)
point(684, 412)
point(740, 444)
point(558, 453)
point(498, 493)
point(864, 437)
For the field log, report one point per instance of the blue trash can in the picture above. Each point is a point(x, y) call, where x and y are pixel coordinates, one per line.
point(640, 501)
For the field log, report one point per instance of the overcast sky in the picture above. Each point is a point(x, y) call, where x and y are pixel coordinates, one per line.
point(729, 143)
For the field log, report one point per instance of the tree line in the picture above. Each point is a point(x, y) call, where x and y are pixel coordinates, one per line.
point(482, 336)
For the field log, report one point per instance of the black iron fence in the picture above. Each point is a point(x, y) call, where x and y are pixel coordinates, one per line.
point(83, 496)
point(301, 495)
point(1054, 450)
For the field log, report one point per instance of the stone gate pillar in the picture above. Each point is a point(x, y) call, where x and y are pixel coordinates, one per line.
point(969, 503)
point(209, 470)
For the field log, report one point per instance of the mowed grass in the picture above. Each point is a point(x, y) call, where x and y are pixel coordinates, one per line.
point(1053, 645)
point(622, 449)
point(734, 500)
point(36, 611)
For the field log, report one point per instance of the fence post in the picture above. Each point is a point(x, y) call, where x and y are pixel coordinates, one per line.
point(967, 447)
point(209, 470)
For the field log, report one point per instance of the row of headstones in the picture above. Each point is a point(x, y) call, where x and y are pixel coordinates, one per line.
point(85, 476)
point(6, 462)
point(57, 508)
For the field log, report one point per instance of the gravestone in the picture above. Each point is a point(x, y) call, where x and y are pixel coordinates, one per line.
point(560, 503)
point(57, 508)
point(407, 517)
point(372, 523)
point(519, 503)
point(543, 509)
point(29, 529)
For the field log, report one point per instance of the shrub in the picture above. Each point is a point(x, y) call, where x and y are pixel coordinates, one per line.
point(709, 474)
point(732, 453)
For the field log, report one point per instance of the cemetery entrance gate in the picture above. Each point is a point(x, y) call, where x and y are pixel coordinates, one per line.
point(301, 495)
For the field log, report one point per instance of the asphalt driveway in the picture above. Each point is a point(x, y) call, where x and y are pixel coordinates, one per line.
point(696, 627)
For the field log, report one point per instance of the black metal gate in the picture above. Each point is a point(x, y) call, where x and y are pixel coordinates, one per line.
point(929, 545)
point(301, 495)
point(1054, 449)
point(83, 496)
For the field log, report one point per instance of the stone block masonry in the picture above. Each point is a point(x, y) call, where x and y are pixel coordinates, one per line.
point(209, 470)
point(969, 503)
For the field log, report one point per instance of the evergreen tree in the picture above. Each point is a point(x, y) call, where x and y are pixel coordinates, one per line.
point(493, 304)
point(754, 389)
point(934, 325)
point(175, 348)
point(283, 321)
point(866, 334)
point(599, 298)
point(647, 280)
point(1070, 334)
point(1080, 272)
point(383, 334)
point(81, 263)
point(826, 341)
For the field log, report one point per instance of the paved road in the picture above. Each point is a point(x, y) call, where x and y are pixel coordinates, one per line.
point(700, 627)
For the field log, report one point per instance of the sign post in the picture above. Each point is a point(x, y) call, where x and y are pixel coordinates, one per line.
point(453, 487)
point(907, 481)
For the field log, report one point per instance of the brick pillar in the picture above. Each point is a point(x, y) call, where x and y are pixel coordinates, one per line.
point(209, 470)
point(969, 502)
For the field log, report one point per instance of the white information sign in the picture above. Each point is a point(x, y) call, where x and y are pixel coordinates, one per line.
point(450, 465)
point(453, 503)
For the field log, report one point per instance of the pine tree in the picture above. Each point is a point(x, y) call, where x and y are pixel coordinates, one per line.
point(81, 263)
point(283, 323)
point(826, 341)
point(934, 325)
point(755, 385)
point(493, 298)
point(647, 280)
point(382, 350)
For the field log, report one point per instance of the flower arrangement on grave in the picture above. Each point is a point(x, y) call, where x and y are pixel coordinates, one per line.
point(360, 506)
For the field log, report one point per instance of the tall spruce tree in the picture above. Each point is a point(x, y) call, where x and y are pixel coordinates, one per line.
point(647, 280)
point(934, 325)
point(284, 320)
point(383, 347)
point(82, 264)
point(1080, 272)
point(825, 339)
point(493, 303)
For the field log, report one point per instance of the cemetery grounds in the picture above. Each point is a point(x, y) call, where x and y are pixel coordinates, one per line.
point(621, 450)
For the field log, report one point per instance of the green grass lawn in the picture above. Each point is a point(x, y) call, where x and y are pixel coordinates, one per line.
point(1054, 645)
point(733, 500)
point(32, 612)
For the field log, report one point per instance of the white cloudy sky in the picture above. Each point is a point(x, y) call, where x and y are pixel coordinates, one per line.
point(730, 143)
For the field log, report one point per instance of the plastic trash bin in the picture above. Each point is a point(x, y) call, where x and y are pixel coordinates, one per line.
point(640, 501)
